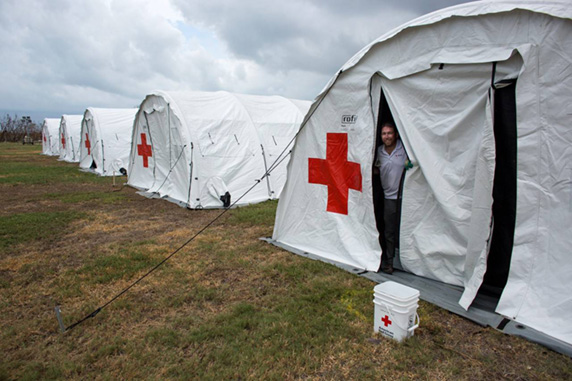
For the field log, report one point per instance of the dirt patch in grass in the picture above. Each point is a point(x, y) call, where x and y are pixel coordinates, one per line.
point(227, 306)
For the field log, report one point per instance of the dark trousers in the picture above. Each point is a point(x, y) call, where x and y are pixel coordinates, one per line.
point(390, 231)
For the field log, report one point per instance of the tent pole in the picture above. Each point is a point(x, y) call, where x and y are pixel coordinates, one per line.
point(266, 171)
point(190, 176)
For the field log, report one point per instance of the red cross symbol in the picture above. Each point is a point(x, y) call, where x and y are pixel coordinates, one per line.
point(144, 150)
point(386, 320)
point(63, 140)
point(336, 172)
point(45, 140)
point(87, 144)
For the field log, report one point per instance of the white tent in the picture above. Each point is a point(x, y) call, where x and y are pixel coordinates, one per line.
point(106, 140)
point(481, 94)
point(50, 137)
point(69, 137)
point(194, 147)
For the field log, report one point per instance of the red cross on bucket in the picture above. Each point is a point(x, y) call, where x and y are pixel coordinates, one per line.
point(336, 172)
point(144, 150)
point(87, 144)
point(63, 140)
point(386, 320)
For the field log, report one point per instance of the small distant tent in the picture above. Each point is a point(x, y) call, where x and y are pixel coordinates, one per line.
point(50, 133)
point(106, 140)
point(481, 94)
point(193, 148)
point(69, 138)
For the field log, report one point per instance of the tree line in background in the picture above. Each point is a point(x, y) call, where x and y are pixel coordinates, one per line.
point(15, 129)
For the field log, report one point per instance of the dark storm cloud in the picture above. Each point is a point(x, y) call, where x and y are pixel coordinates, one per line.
point(317, 36)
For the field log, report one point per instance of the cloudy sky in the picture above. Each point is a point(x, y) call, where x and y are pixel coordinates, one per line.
point(62, 56)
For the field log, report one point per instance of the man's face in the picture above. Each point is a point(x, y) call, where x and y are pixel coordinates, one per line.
point(388, 136)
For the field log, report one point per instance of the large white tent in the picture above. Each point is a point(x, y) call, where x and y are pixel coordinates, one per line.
point(50, 134)
point(481, 94)
point(106, 140)
point(69, 137)
point(194, 147)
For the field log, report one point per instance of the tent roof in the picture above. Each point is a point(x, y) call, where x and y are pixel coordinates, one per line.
point(109, 114)
point(53, 124)
point(561, 9)
point(73, 121)
point(110, 121)
point(556, 8)
point(197, 105)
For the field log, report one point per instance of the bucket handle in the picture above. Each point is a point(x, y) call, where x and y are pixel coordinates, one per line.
point(391, 316)
point(413, 327)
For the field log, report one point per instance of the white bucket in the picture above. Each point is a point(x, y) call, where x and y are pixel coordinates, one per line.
point(395, 310)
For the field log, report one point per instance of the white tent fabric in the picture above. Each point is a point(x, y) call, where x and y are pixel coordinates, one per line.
point(50, 134)
point(436, 74)
point(69, 138)
point(193, 147)
point(106, 140)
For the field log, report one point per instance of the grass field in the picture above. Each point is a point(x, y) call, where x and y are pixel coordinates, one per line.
point(228, 306)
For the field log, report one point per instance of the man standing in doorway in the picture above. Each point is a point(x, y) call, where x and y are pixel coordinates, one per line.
point(391, 158)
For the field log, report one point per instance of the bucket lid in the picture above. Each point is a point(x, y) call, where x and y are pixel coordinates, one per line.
point(397, 291)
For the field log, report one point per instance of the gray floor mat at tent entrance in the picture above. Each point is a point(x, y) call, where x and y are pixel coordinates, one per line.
point(446, 296)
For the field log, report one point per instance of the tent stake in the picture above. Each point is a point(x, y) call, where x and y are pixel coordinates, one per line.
point(59, 317)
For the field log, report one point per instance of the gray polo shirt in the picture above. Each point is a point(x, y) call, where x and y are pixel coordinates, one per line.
point(391, 168)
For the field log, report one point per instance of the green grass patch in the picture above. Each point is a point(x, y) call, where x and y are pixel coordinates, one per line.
point(38, 371)
point(125, 263)
point(106, 348)
point(163, 337)
point(16, 172)
point(19, 150)
point(254, 215)
point(196, 294)
point(24, 228)
point(25, 165)
point(268, 340)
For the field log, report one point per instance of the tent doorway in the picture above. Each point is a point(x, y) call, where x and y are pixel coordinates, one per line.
point(384, 116)
point(504, 189)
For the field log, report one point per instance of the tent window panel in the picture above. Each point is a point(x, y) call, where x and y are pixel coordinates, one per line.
point(226, 138)
point(175, 138)
point(277, 138)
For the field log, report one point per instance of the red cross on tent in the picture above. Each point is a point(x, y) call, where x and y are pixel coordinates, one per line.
point(45, 140)
point(336, 172)
point(63, 140)
point(144, 150)
point(87, 144)
point(386, 321)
